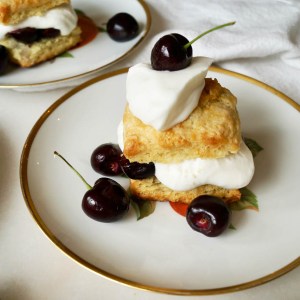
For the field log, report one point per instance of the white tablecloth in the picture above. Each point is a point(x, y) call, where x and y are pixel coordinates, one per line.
point(31, 267)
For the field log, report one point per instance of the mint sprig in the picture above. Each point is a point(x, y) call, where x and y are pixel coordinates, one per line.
point(254, 147)
point(66, 54)
point(248, 201)
point(142, 208)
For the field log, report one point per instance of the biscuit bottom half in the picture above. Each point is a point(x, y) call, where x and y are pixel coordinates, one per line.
point(152, 189)
point(45, 49)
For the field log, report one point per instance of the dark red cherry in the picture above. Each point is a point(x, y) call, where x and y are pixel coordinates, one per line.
point(208, 215)
point(122, 27)
point(27, 35)
point(105, 159)
point(48, 33)
point(3, 59)
point(136, 170)
point(169, 53)
point(106, 202)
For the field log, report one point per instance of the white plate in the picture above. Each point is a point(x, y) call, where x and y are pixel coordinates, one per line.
point(97, 55)
point(161, 252)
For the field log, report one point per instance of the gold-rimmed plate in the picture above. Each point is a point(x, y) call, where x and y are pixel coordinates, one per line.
point(161, 253)
point(79, 63)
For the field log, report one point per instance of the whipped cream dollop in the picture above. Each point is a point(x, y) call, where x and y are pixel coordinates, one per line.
point(63, 18)
point(232, 172)
point(163, 99)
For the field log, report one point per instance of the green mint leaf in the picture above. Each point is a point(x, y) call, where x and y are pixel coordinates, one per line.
point(248, 201)
point(231, 226)
point(254, 147)
point(146, 208)
point(101, 29)
point(79, 12)
point(66, 54)
point(136, 208)
point(143, 208)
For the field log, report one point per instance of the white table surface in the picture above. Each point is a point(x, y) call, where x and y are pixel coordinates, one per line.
point(31, 266)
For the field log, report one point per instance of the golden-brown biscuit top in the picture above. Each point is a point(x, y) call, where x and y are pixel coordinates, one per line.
point(211, 131)
point(15, 11)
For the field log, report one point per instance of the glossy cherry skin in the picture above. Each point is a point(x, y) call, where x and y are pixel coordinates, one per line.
point(136, 170)
point(3, 59)
point(122, 27)
point(29, 35)
point(106, 202)
point(105, 159)
point(168, 54)
point(48, 33)
point(208, 215)
point(25, 35)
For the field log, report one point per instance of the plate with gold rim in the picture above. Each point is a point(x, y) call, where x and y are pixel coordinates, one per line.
point(161, 252)
point(82, 62)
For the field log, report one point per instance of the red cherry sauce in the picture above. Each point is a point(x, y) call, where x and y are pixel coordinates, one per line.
point(180, 208)
point(89, 30)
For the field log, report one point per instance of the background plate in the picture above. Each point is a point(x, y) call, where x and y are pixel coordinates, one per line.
point(97, 55)
point(161, 252)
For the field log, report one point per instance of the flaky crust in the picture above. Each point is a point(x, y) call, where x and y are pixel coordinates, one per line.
point(15, 11)
point(152, 189)
point(45, 49)
point(211, 131)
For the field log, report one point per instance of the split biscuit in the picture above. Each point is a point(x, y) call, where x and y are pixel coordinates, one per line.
point(37, 52)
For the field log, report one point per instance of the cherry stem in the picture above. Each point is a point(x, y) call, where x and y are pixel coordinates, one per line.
point(80, 176)
point(206, 32)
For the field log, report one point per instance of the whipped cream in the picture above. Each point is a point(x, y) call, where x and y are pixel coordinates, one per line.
point(232, 172)
point(63, 18)
point(163, 99)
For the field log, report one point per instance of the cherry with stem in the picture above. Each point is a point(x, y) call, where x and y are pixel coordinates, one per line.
point(174, 52)
point(107, 201)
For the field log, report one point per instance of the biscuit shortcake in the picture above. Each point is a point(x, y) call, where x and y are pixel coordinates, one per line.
point(212, 130)
point(35, 31)
point(203, 154)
